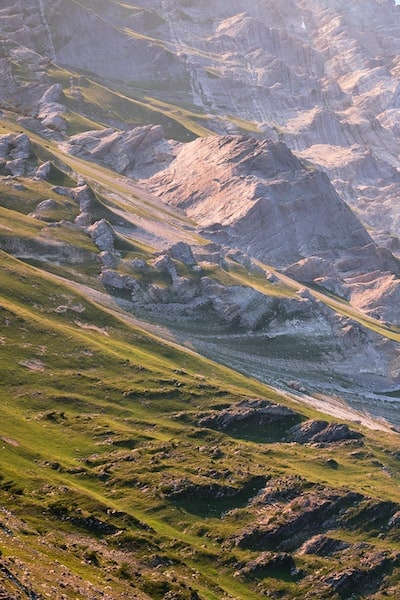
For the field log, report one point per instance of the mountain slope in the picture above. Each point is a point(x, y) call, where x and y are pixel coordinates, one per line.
point(321, 76)
point(93, 475)
point(199, 339)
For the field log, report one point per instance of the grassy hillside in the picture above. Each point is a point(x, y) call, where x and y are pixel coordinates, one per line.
point(112, 484)
point(99, 433)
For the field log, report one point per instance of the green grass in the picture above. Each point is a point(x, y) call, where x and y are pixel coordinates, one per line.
point(88, 404)
point(99, 418)
point(99, 105)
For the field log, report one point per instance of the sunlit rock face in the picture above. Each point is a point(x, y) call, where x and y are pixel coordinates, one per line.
point(256, 195)
point(261, 195)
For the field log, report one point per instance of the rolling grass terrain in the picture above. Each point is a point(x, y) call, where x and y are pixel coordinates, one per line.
point(110, 486)
point(91, 444)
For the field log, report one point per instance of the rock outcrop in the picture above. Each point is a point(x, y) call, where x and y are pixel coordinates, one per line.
point(264, 198)
point(322, 545)
point(16, 154)
point(313, 512)
point(51, 112)
point(258, 417)
point(140, 152)
point(256, 195)
point(322, 432)
point(102, 235)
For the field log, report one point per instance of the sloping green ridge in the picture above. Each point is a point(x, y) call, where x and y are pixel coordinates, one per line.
point(90, 437)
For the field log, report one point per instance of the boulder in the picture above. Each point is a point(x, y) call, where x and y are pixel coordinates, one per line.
point(250, 414)
point(20, 147)
point(85, 197)
point(43, 172)
point(322, 545)
point(103, 235)
point(16, 167)
point(15, 150)
point(183, 253)
point(42, 208)
point(315, 431)
point(164, 264)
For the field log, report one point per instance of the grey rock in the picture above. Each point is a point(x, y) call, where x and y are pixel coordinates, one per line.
point(16, 167)
point(275, 209)
point(84, 220)
point(321, 431)
point(102, 235)
point(113, 279)
point(164, 264)
point(51, 110)
point(6, 144)
point(51, 118)
point(42, 208)
point(322, 545)
point(85, 197)
point(15, 150)
point(44, 171)
point(139, 152)
point(239, 182)
point(62, 191)
point(138, 264)
point(20, 147)
point(254, 413)
point(107, 259)
point(182, 252)
point(53, 94)
point(118, 281)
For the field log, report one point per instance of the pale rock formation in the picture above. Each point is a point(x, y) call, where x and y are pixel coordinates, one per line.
point(113, 279)
point(271, 205)
point(16, 167)
point(107, 259)
point(54, 94)
point(15, 146)
point(51, 109)
point(42, 208)
point(16, 155)
point(164, 264)
point(182, 252)
point(85, 197)
point(43, 171)
point(139, 152)
point(103, 235)
point(258, 196)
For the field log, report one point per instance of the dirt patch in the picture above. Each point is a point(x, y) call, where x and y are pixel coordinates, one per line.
point(33, 365)
point(92, 327)
point(10, 441)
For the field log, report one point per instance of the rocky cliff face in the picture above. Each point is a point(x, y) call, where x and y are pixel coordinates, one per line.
point(322, 76)
point(257, 196)
point(262, 196)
